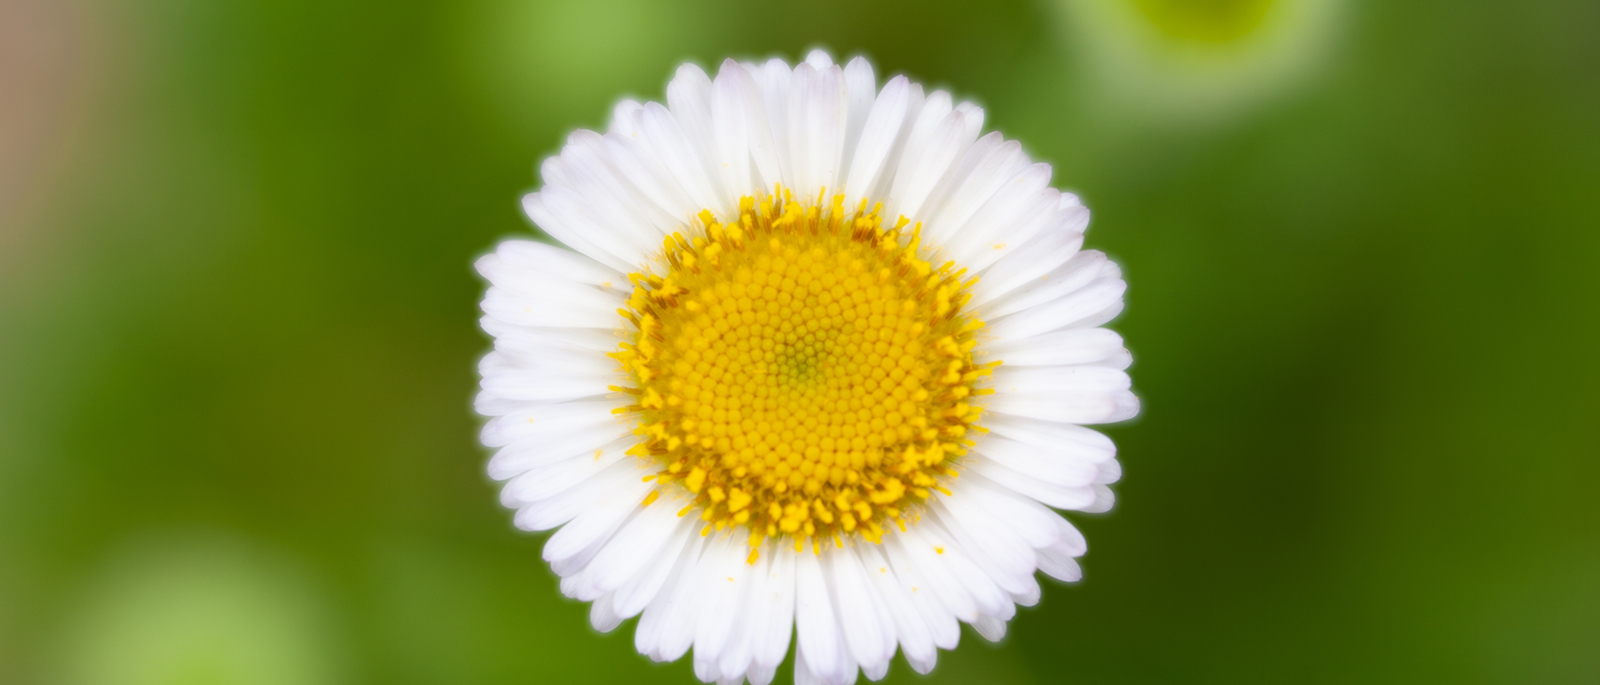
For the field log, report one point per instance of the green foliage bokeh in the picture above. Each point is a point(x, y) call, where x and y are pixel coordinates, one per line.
point(238, 335)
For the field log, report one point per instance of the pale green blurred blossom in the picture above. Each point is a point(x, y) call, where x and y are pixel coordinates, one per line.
point(198, 611)
point(1197, 61)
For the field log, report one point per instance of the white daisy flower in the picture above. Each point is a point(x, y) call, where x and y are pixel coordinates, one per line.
point(815, 361)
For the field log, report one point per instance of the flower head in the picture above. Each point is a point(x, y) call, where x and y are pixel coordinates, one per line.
point(816, 364)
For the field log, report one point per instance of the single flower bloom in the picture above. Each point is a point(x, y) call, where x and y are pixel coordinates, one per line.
point(816, 363)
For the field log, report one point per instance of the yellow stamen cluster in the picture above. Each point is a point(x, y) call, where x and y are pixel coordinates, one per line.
point(801, 371)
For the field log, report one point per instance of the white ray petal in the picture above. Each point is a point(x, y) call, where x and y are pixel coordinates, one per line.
point(816, 625)
point(634, 547)
point(595, 525)
point(827, 115)
point(881, 130)
point(537, 207)
point(997, 553)
point(860, 616)
point(911, 629)
point(778, 605)
point(624, 118)
point(862, 88)
point(673, 148)
point(773, 80)
point(657, 622)
point(991, 628)
point(719, 601)
point(544, 482)
point(800, 131)
point(736, 82)
point(731, 133)
point(656, 184)
point(637, 593)
point(1060, 313)
point(1057, 496)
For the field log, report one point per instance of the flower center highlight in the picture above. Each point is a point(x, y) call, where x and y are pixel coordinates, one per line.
point(800, 371)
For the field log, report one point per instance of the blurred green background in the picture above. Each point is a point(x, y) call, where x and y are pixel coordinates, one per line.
point(238, 328)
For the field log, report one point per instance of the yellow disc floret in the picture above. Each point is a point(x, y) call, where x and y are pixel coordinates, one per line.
point(801, 371)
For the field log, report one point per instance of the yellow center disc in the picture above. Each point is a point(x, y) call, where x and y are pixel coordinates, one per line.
point(801, 371)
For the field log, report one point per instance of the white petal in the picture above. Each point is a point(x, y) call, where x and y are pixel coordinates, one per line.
point(736, 82)
point(860, 615)
point(1076, 273)
point(635, 546)
point(1110, 471)
point(622, 476)
point(749, 617)
point(910, 626)
point(689, 99)
point(1071, 346)
point(942, 625)
point(802, 669)
point(983, 170)
point(659, 618)
point(552, 171)
point(920, 174)
point(935, 109)
point(937, 555)
point(595, 525)
point(547, 481)
point(1022, 209)
point(719, 603)
point(683, 621)
point(1104, 500)
point(1056, 496)
point(816, 625)
point(602, 617)
point(1059, 566)
point(885, 127)
point(1034, 523)
point(576, 441)
point(1054, 245)
point(862, 89)
point(1061, 313)
point(515, 356)
point(523, 292)
point(773, 81)
point(655, 182)
point(545, 384)
point(548, 311)
point(827, 116)
point(761, 675)
point(991, 628)
point(573, 231)
point(549, 421)
point(929, 577)
point(532, 338)
point(778, 602)
point(730, 128)
point(601, 229)
point(556, 263)
point(609, 195)
point(636, 594)
point(799, 131)
point(624, 118)
point(1056, 383)
point(1079, 442)
point(1088, 407)
point(988, 544)
point(672, 147)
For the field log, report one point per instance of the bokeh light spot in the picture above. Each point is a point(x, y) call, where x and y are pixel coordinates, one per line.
point(1205, 21)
